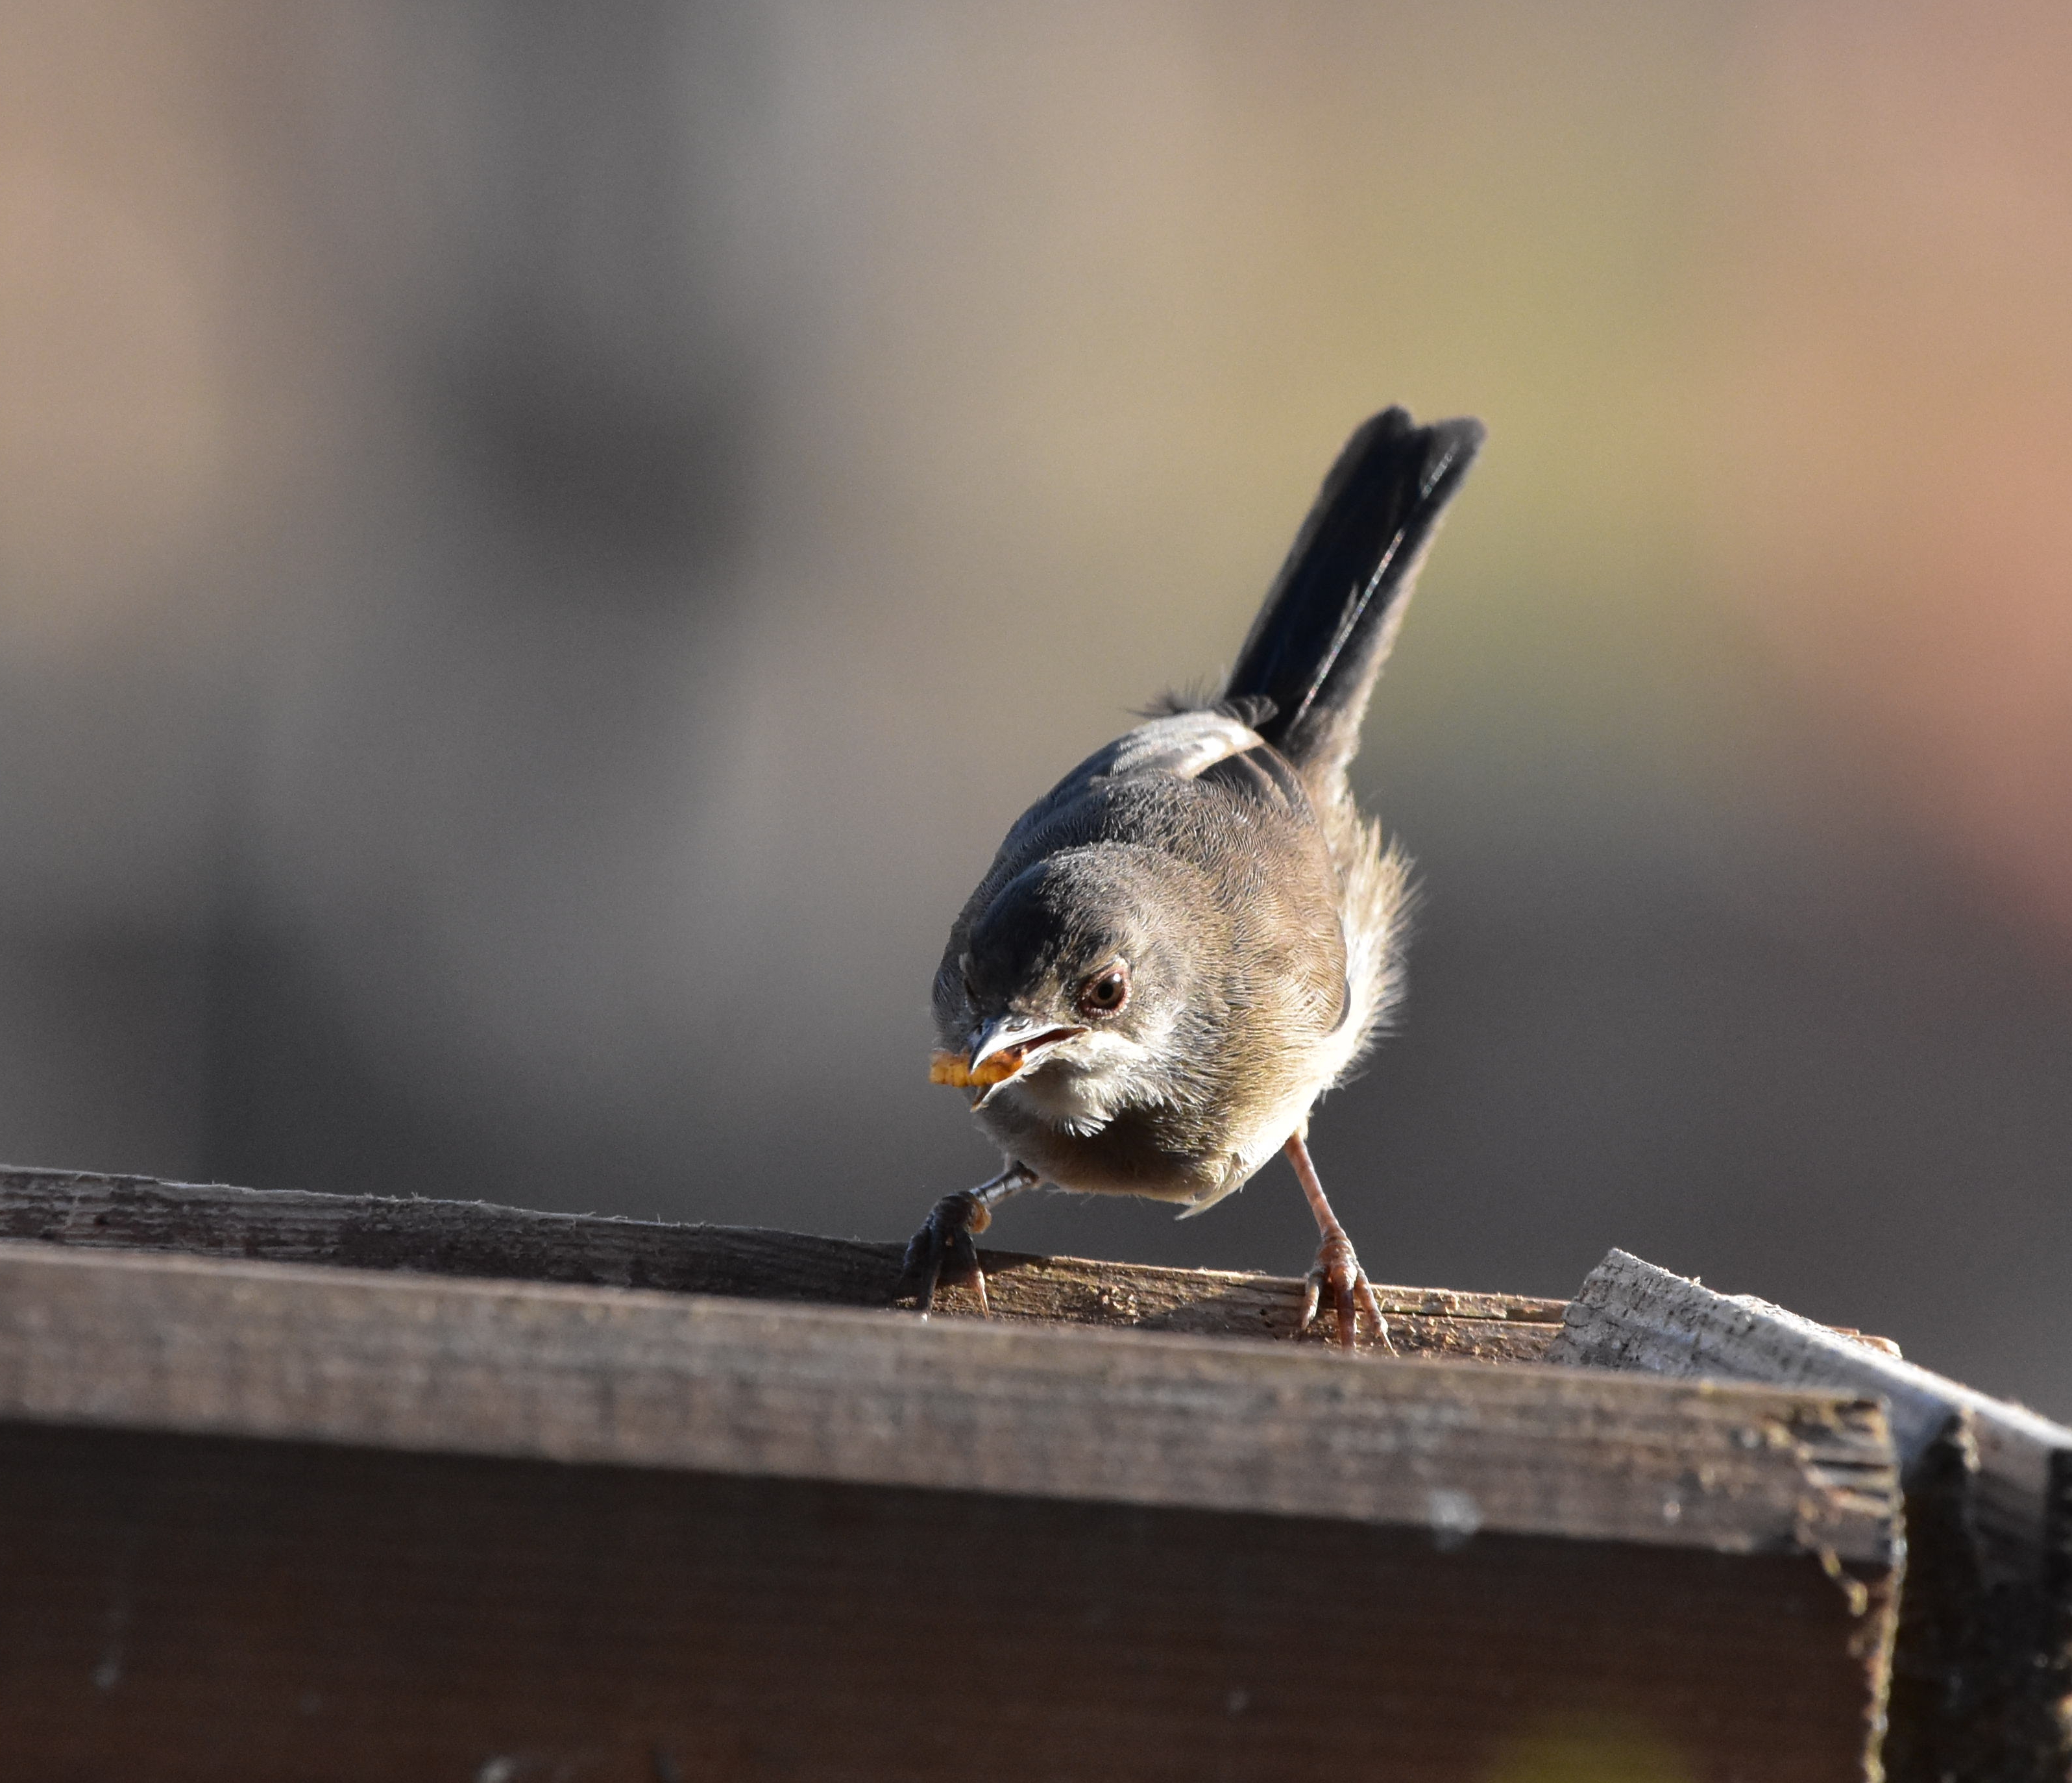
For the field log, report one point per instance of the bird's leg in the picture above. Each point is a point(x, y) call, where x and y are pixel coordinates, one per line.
point(1337, 1265)
point(950, 1234)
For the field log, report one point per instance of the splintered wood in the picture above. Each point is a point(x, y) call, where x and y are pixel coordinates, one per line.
point(1982, 1674)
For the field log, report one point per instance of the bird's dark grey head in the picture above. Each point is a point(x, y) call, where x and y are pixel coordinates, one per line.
point(1071, 968)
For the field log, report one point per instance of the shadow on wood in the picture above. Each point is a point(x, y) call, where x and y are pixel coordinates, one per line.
point(195, 1607)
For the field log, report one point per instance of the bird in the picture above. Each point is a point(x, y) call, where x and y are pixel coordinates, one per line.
point(1196, 933)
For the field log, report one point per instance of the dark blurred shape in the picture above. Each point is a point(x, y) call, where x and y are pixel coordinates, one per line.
point(581, 358)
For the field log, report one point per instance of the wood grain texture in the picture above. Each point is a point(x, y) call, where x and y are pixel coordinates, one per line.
point(267, 1519)
point(187, 1608)
point(631, 1377)
point(1631, 1314)
point(1982, 1666)
point(470, 1239)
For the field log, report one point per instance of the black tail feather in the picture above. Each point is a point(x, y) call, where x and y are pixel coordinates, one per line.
point(1320, 640)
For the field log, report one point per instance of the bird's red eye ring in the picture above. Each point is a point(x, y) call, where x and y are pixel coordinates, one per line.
point(1106, 991)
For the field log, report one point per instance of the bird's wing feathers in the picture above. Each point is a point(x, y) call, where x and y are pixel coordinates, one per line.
point(1180, 746)
point(1184, 744)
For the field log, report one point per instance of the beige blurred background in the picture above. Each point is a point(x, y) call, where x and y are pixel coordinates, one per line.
point(540, 548)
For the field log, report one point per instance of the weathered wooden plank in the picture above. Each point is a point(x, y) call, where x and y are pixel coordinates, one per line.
point(640, 1379)
point(1983, 1669)
point(472, 1238)
point(225, 1612)
point(1631, 1314)
point(266, 1519)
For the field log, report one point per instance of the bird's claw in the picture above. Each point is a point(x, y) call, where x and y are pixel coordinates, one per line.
point(948, 1236)
point(1337, 1267)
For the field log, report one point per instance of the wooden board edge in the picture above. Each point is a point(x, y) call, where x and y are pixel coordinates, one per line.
point(85, 1210)
point(278, 1352)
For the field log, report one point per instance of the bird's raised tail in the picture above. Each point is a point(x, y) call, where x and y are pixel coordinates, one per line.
point(1320, 640)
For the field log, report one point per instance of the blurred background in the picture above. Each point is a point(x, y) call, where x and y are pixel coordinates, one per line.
point(540, 549)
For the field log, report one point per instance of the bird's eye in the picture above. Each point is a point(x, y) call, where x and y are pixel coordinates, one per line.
point(1106, 991)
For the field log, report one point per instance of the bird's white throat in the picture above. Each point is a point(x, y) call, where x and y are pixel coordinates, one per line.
point(1083, 1086)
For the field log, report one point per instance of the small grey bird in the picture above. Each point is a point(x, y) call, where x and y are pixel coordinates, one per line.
point(1195, 933)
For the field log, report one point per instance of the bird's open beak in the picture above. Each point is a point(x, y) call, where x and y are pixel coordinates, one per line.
point(1015, 1043)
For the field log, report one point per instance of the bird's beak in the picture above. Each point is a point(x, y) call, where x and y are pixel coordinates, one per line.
point(1015, 1042)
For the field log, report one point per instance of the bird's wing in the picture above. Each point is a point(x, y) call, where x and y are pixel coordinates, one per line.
point(1184, 744)
point(1181, 746)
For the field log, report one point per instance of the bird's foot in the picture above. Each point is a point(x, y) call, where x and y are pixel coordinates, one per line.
point(947, 1237)
point(1337, 1268)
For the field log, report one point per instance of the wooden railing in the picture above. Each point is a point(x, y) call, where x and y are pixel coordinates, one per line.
point(297, 1485)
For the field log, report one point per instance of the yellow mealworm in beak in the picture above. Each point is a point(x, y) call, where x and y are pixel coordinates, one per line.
point(953, 1068)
